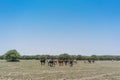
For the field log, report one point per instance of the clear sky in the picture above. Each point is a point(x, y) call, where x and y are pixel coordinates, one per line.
point(83, 27)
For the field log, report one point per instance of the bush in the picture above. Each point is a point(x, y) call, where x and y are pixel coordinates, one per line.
point(12, 56)
point(64, 56)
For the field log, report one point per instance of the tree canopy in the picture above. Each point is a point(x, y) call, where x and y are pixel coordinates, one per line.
point(64, 56)
point(12, 55)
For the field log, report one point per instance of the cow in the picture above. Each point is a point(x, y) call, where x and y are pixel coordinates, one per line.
point(51, 62)
point(71, 62)
point(66, 62)
point(42, 61)
point(60, 62)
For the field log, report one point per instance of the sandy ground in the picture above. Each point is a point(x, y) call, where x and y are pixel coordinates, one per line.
point(32, 70)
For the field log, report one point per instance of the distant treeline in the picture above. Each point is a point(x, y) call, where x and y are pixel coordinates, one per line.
point(67, 56)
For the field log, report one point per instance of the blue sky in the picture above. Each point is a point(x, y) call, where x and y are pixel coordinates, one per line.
point(83, 27)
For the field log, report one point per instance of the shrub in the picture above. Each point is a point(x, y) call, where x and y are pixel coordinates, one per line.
point(12, 56)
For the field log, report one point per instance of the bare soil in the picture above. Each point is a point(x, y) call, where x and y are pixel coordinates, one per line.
point(32, 70)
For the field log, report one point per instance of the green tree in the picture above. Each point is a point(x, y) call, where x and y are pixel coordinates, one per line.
point(12, 55)
point(2, 57)
point(73, 56)
point(64, 56)
point(94, 57)
point(79, 57)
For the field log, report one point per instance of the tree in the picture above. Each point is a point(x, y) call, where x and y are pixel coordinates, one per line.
point(1, 57)
point(73, 57)
point(42, 57)
point(79, 57)
point(12, 55)
point(64, 56)
point(94, 57)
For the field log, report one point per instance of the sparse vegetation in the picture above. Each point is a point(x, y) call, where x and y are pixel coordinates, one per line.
point(30, 68)
point(33, 70)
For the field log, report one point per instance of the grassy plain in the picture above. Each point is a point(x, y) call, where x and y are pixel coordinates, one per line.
point(32, 70)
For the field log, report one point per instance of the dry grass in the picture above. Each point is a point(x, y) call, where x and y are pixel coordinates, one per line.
point(32, 70)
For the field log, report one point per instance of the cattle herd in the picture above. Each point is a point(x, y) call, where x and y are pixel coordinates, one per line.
point(62, 62)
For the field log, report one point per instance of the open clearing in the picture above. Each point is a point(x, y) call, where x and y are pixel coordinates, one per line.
point(32, 70)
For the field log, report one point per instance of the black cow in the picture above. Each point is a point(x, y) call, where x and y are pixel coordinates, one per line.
point(42, 61)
